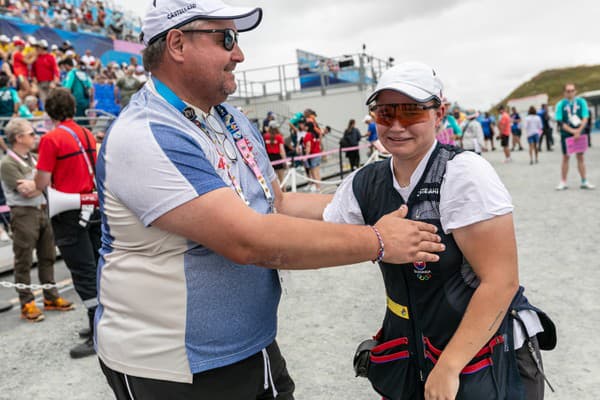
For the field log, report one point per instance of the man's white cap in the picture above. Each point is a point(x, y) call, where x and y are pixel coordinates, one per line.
point(413, 79)
point(164, 15)
point(4, 39)
point(367, 118)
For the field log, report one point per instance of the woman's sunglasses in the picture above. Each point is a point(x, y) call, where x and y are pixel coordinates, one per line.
point(405, 113)
point(230, 36)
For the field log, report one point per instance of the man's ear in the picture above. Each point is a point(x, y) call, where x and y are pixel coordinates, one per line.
point(174, 45)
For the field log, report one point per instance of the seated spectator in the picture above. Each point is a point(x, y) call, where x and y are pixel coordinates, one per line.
point(88, 59)
point(9, 101)
point(30, 108)
point(140, 74)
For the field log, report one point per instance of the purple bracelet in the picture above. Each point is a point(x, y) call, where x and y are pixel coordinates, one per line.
point(381, 252)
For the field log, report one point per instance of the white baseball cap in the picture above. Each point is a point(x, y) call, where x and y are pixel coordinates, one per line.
point(413, 79)
point(164, 15)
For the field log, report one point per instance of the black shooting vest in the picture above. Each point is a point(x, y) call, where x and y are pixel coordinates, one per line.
point(426, 302)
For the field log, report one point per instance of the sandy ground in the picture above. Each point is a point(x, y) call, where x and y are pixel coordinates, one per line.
point(327, 312)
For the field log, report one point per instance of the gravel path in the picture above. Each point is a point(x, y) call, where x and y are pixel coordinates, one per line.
point(327, 312)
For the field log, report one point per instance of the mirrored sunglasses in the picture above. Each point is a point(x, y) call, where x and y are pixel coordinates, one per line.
point(405, 113)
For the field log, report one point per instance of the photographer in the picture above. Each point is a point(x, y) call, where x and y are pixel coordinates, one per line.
point(67, 158)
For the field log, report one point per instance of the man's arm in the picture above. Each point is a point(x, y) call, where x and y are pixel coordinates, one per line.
point(10, 174)
point(301, 205)
point(42, 179)
point(496, 268)
point(237, 232)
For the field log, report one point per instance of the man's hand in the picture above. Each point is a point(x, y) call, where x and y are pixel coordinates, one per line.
point(408, 241)
point(26, 187)
point(442, 384)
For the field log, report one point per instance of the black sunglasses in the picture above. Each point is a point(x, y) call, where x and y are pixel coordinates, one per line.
point(230, 37)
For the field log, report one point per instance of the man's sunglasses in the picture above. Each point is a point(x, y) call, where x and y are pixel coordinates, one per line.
point(405, 113)
point(230, 36)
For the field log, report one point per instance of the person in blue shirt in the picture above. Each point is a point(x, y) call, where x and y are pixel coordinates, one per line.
point(371, 132)
point(516, 129)
point(546, 128)
point(572, 115)
point(487, 122)
point(9, 101)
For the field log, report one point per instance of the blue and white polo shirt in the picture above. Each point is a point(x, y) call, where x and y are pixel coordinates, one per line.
point(169, 307)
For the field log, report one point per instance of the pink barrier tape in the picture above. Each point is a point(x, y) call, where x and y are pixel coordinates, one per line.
point(302, 158)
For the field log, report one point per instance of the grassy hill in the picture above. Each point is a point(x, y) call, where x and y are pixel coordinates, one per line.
point(551, 82)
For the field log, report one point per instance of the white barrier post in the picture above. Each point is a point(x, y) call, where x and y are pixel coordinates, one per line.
point(293, 178)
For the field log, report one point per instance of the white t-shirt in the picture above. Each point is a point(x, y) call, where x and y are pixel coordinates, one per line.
point(476, 193)
point(533, 125)
point(471, 192)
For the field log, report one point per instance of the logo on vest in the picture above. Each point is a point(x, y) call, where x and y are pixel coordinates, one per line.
point(421, 271)
point(429, 191)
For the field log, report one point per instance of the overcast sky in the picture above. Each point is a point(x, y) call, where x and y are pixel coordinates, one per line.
point(482, 49)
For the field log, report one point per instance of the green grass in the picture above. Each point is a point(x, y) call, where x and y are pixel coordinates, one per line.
point(552, 81)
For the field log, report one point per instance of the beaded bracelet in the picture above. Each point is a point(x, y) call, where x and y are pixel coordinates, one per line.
point(381, 252)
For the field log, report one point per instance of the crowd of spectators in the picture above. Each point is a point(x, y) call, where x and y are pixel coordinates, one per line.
point(86, 16)
point(30, 68)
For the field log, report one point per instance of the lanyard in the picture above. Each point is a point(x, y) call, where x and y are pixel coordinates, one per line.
point(241, 142)
point(85, 156)
point(18, 159)
point(572, 108)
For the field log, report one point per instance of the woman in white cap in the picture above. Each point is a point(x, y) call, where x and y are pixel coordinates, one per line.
point(459, 328)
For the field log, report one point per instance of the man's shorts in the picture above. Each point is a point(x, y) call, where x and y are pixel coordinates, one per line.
point(313, 162)
point(535, 138)
point(563, 143)
point(504, 140)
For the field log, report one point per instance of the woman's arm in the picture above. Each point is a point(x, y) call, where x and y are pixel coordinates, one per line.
point(496, 267)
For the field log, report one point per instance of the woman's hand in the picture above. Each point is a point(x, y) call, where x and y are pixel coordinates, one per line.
point(442, 384)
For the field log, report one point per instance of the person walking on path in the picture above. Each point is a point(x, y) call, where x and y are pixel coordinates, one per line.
point(30, 225)
point(351, 138)
point(533, 129)
point(516, 129)
point(487, 124)
point(572, 115)
point(547, 129)
point(504, 126)
point(472, 136)
point(188, 286)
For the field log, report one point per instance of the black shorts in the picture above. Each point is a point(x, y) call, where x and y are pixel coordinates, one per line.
point(242, 380)
point(276, 157)
point(504, 140)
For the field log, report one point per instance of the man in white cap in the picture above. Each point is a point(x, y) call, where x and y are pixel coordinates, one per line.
point(188, 287)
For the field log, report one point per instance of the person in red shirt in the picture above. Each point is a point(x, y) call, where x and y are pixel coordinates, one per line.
point(275, 148)
point(67, 159)
point(312, 144)
point(504, 125)
point(44, 70)
point(20, 64)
